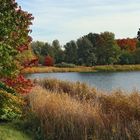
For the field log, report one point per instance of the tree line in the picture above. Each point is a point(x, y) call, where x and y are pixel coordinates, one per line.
point(89, 50)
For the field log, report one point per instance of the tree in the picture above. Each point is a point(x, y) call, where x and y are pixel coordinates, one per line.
point(138, 35)
point(71, 52)
point(137, 51)
point(28, 58)
point(127, 44)
point(108, 51)
point(56, 44)
point(127, 57)
point(58, 52)
point(47, 50)
point(104, 48)
point(137, 56)
point(42, 49)
point(37, 46)
point(14, 38)
point(86, 54)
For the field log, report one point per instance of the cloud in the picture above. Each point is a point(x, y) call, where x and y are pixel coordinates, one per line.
point(70, 19)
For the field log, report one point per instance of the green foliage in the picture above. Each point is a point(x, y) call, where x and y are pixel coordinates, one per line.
point(65, 65)
point(41, 59)
point(30, 125)
point(91, 49)
point(14, 38)
point(47, 50)
point(138, 35)
point(71, 52)
point(86, 54)
point(110, 50)
point(26, 56)
point(137, 55)
point(127, 57)
point(58, 53)
point(37, 46)
point(106, 49)
point(10, 106)
point(41, 50)
point(8, 64)
point(7, 88)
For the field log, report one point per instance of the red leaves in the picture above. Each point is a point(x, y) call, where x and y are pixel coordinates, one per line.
point(22, 48)
point(20, 84)
point(49, 61)
point(14, 37)
point(33, 62)
point(128, 44)
point(29, 39)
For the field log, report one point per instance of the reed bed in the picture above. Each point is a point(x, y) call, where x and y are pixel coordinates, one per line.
point(106, 68)
point(57, 69)
point(74, 111)
point(111, 68)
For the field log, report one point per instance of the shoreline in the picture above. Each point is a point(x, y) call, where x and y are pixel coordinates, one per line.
point(103, 68)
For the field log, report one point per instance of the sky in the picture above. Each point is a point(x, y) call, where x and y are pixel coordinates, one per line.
point(67, 20)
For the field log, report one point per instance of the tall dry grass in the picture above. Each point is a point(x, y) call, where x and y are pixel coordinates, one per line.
point(69, 111)
point(107, 68)
point(44, 69)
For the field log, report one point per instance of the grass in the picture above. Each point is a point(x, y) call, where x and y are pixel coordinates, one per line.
point(74, 111)
point(9, 132)
point(57, 69)
point(107, 68)
point(118, 68)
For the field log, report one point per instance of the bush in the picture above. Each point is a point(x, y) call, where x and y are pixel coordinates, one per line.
point(49, 61)
point(10, 106)
point(20, 84)
point(6, 88)
point(65, 65)
point(30, 125)
point(127, 58)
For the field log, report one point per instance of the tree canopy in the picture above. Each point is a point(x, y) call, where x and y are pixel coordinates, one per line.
point(92, 49)
point(14, 36)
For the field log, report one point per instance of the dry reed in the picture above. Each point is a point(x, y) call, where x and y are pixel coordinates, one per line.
point(74, 111)
point(106, 68)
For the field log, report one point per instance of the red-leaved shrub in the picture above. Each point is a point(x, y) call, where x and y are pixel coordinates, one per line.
point(49, 61)
point(20, 84)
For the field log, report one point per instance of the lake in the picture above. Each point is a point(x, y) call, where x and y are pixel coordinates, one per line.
point(101, 80)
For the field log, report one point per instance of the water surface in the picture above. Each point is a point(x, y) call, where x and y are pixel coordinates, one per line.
point(101, 80)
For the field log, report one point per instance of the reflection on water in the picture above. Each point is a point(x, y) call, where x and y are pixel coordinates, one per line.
point(101, 80)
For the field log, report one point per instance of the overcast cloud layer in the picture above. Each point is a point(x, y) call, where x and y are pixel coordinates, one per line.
point(66, 20)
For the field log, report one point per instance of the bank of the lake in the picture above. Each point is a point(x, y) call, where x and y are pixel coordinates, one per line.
point(106, 68)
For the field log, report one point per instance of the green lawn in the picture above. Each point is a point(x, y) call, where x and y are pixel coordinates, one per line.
point(8, 132)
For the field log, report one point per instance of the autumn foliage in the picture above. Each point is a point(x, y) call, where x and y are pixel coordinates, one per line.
point(49, 61)
point(20, 84)
point(14, 40)
point(33, 62)
point(14, 37)
point(127, 44)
